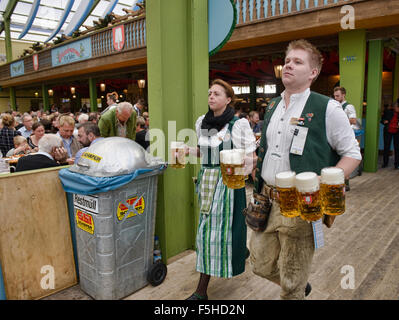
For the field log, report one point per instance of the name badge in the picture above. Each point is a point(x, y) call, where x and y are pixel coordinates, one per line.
point(299, 140)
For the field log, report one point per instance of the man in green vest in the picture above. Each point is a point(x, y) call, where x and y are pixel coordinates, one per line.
point(119, 122)
point(283, 252)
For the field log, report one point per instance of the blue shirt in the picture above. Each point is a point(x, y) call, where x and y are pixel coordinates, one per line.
point(25, 133)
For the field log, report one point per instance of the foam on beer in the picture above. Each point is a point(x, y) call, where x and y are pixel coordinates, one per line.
point(332, 176)
point(235, 156)
point(285, 179)
point(307, 182)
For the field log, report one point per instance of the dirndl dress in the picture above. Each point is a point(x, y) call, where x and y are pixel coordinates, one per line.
point(222, 232)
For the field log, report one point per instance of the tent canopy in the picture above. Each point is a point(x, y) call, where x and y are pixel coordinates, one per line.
point(38, 20)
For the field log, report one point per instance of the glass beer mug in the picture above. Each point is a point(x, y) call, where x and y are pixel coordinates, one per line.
point(177, 155)
point(287, 194)
point(232, 167)
point(332, 188)
point(307, 184)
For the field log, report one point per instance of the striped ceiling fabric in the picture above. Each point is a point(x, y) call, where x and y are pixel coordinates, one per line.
point(47, 18)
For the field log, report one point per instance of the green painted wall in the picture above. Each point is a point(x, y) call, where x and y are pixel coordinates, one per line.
point(352, 71)
point(374, 95)
point(178, 64)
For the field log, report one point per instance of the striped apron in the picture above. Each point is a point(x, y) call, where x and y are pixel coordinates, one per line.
point(222, 232)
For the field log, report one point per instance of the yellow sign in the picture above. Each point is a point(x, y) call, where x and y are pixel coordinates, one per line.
point(84, 221)
point(92, 157)
point(123, 208)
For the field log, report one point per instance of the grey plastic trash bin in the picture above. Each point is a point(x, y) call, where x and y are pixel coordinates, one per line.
point(115, 229)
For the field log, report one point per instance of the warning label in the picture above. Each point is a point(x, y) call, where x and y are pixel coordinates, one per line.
point(92, 157)
point(131, 206)
point(84, 221)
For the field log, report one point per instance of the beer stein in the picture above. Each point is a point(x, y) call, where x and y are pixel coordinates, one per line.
point(286, 194)
point(307, 184)
point(177, 155)
point(232, 167)
point(332, 188)
point(258, 135)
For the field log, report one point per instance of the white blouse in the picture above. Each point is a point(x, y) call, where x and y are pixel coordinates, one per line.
point(242, 136)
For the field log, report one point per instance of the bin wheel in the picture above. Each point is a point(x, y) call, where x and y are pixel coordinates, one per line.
point(157, 273)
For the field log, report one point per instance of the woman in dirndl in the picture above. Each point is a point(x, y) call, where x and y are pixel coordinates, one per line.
point(222, 232)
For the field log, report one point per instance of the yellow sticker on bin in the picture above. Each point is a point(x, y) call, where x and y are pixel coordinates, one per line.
point(123, 207)
point(84, 221)
point(92, 157)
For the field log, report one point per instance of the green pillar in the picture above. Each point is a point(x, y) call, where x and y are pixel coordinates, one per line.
point(13, 98)
point(352, 64)
point(178, 68)
point(374, 95)
point(395, 93)
point(93, 94)
point(8, 45)
point(46, 103)
point(252, 93)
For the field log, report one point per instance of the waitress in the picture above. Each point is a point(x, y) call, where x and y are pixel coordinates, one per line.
point(222, 232)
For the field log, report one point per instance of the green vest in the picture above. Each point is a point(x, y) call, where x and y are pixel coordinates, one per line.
point(317, 153)
point(107, 125)
point(345, 105)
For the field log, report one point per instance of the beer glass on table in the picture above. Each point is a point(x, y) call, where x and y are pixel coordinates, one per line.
point(177, 155)
point(232, 167)
point(287, 194)
point(332, 188)
point(307, 184)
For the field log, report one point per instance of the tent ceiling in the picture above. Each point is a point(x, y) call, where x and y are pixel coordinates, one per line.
point(49, 14)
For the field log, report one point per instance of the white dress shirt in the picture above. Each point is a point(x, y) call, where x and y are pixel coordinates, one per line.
point(351, 114)
point(280, 133)
point(242, 136)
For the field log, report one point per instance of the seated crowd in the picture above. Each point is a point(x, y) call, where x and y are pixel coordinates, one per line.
point(47, 139)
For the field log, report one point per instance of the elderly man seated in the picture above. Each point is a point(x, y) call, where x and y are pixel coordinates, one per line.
point(51, 154)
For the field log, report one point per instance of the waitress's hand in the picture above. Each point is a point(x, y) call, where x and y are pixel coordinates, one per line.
point(250, 163)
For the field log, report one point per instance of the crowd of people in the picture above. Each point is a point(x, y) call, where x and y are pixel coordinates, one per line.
point(63, 137)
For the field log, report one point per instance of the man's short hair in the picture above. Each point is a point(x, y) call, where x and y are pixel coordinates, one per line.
point(64, 119)
point(140, 122)
point(91, 127)
point(48, 142)
point(124, 106)
point(316, 58)
point(26, 115)
point(252, 113)
point(342, 89)
point(83, 117)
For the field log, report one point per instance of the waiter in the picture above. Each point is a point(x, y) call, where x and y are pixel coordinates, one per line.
point(320, 130)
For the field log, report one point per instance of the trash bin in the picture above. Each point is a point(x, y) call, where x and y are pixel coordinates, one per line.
point(114, 188)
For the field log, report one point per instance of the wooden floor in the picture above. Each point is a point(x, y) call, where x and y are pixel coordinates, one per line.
point(364, 240)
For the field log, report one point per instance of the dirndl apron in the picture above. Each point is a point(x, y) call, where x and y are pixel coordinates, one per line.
point(222, 232)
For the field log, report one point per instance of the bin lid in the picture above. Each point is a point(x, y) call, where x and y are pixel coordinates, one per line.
point(114, 156)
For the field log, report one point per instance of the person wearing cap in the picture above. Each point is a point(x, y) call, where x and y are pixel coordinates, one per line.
point(303, 131)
